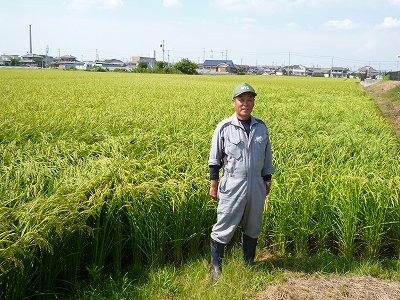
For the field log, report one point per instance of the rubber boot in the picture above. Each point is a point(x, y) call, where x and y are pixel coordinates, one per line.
point(249, 249)
point(217, 253)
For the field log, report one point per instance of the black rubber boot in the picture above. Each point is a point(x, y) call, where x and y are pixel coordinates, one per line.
point(217, 253)
point(249, 249)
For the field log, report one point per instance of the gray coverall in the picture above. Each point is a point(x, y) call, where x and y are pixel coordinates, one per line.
point(242, 189)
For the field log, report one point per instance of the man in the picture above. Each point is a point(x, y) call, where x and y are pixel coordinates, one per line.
point(241, 147)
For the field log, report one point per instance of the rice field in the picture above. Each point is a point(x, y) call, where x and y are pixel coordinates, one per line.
point(106, 171)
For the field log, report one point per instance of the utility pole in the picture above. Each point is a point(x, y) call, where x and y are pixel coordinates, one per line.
point(30, 39)
point(163, 50)
point(289, 63)
point(226, 54)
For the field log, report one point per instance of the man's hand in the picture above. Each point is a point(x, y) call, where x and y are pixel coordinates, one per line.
point(268, 187)
point(214, 189)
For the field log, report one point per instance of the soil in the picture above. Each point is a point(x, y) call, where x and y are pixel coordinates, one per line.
point(332, 287)
point(319, 286)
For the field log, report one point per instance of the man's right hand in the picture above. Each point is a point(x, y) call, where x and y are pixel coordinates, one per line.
point(214, 189)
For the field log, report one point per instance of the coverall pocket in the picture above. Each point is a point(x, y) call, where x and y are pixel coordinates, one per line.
point(222, 185)
point(233, 148)
point(224, 206)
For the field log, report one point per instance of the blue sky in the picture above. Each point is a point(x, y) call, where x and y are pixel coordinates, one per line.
point(348, 33)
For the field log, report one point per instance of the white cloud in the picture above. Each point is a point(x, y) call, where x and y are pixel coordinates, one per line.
point(292, 25)
point(171, 3)
point(247, 23)
point(267, 5)
point(394, 2)
point(389, 23)
point(82, 5)
point(345, 24)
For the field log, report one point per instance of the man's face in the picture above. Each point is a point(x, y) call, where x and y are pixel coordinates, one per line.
point(243, 105)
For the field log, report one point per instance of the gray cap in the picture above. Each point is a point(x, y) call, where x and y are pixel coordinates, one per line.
point(243, 88)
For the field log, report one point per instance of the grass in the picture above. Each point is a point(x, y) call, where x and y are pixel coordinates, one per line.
point(191, 280)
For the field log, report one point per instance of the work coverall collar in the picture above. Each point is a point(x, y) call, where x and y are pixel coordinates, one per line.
point(236, 122)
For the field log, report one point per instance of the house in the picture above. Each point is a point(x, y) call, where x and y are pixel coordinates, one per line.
point(136, 60)
point(219, 66)
point(339, 72)
point(299, 70)
point(84, 65)
point(65, 62)
point(110, 64)
point(296, 70)
point(369, 72)
point(32, 60)
point(319, 72)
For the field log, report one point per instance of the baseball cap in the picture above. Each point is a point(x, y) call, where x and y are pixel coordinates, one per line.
point(243, 88)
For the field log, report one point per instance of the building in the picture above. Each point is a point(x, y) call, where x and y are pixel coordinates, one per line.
point(6, 59)
point(65, 62)
point(339, 72)
point(368, 72)
point(136, 60)
point(110, 64)
point(219, 66)
point(320, 72)
point(33, 60)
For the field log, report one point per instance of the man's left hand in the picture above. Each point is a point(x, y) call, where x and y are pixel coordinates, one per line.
point(268, 187)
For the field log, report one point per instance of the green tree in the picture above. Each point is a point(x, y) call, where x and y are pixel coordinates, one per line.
point(142, 65)
point(241, 70)
point(161, 64)
point(15, 62)
point(186, 66)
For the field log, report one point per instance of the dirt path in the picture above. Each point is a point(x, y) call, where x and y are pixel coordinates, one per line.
point(332, 286)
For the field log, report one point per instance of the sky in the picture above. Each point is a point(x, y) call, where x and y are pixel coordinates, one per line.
point(314, 33)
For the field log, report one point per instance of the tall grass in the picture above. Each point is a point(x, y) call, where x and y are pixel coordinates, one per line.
point(106, 171)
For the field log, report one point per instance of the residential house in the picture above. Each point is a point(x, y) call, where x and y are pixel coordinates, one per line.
point(219, 66)
point(110, 64)
point(65, 62)
point(33, 60)
point(299, 70)
point(84, 65)
point(369, 72)
point(136, 60)
point(339, 72)
point(296, 70)
point(319, 72)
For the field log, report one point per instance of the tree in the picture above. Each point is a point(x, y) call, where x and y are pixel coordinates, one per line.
point(161, 64)
point(186, 66)
point(142, 65)
point(15, 62)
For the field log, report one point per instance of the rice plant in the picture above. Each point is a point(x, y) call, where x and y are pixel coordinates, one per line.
point(101, 172)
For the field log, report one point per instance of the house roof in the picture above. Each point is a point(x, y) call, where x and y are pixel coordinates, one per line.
point(367, 68)
point(217, 62)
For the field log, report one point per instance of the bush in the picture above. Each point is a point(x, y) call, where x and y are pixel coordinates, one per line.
point(99, 69)
point(186, 66)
